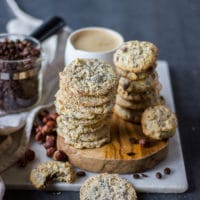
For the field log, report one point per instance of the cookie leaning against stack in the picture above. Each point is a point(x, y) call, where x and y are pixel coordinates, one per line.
point(85, 101)
point(139, 86)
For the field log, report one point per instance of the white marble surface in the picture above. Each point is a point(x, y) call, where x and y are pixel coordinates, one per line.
point(18, 178)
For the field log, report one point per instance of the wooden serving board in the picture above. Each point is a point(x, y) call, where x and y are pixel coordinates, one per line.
point(120, 155)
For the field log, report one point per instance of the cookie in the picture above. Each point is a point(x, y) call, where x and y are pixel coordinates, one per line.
point(87, 140)
point(52, 170)
point(81, 129)
point(135, 76)
point(73, 122)
point(86, 101)
point(141, 85)
point(142, 96)
point(86, 137)
point(107, 186)
point(69, 103)
point(159, 122)
point(136, 56)
point(139, 105)
point(89, 77)
point(128, 114)
point(74, 113)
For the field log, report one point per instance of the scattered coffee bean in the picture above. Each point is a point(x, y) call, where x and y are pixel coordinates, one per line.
point(133, 141)
point(167, 171)
point(50, 151)
point(80, 173)
point(60, 156)
point(29, 155)
point(158, 175)
point(144, 175)
point(130, 153)
point(136, 176)
point(22, 162)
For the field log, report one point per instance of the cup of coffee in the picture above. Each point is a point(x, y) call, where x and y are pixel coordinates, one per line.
point(93, 42)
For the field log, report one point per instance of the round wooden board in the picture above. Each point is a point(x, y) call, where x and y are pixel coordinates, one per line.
point(120, 155)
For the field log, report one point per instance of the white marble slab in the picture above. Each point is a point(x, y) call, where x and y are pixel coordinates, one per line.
point(17, 178)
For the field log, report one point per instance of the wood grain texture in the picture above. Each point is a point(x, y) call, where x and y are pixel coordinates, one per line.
point(115, 157)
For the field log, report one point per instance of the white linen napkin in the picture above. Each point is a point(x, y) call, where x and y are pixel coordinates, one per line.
point(19, 125)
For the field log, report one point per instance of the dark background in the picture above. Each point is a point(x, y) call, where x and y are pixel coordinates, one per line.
point(174, 26)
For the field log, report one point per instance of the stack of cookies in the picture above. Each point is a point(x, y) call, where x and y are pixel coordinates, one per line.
point(84, 103)
point(139, 86)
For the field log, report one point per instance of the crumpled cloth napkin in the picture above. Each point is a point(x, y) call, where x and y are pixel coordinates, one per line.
point(19, 125)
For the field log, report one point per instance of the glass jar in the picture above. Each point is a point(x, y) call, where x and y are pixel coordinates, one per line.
point(20, 79)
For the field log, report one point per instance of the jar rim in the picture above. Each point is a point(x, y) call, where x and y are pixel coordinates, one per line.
point(20, 36)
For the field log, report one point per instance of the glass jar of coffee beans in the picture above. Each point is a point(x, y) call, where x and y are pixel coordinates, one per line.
point(20, 73)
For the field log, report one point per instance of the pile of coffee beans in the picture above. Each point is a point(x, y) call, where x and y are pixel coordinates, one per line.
point(44, 128)
point(19, 68)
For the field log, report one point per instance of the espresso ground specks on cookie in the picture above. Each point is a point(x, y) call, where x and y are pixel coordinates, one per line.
point(136, 56)
point(107, 186)
point(89, 77)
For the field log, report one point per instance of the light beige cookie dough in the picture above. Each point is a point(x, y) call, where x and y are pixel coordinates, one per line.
point(159, 122)
point(89, 77)
point(136, 56)
point(139, 86)
point(52, 170)
point(107, 186)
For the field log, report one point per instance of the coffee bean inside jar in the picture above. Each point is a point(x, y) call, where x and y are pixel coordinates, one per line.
point(20, 72)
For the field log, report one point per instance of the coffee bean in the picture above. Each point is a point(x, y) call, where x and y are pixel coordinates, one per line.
point(144, 175)
point(136, 176)
point(130, 153)
point(158, 175)
point(30, 155)
point(22, 162)
point(80, 173)
point(24, 92)
point(167, 171)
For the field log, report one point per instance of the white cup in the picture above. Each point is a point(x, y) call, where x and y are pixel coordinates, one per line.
point(72, 53)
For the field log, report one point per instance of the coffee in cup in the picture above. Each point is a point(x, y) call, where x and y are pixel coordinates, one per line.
point(93, 42)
